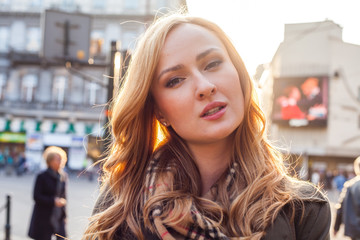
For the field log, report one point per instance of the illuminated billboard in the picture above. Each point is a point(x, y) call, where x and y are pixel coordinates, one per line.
point(300, 101)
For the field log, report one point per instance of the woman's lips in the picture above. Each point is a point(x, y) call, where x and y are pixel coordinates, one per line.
point(213, 111)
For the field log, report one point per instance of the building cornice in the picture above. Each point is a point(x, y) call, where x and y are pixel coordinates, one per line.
point(90, 113)
point(19, 14)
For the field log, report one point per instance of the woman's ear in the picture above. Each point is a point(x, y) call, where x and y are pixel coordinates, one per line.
point(160, 117)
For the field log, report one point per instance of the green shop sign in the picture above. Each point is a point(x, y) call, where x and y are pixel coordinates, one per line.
point(11, 137)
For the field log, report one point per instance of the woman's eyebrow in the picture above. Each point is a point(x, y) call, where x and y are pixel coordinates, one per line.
point(205, 53)
point(179, 66)
point(170, 69)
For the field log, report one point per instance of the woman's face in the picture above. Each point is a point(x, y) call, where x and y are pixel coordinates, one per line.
point(196, 86)
point(55, 163)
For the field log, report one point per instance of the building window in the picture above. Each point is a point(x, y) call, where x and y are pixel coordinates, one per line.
point(161, 5)
point(96, 42)
point(128, 39)
point(2, 86)
point(4, 4)
point(68, 5)
point(4, 39)
point(18, 28)
point(99, 4)
point(35, 3)
point(131, 4)
point(33, 37)
point(91, 93)
point(28, 86)
point(59, 89)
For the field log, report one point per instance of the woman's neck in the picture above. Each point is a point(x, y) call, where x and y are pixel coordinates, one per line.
point(212, 161)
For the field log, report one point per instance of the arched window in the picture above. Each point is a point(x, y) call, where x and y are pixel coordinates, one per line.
point(28, 86)
point(59, 89)
point(2, 86)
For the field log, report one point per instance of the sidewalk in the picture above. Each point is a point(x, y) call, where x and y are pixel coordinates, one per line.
point(81, 194)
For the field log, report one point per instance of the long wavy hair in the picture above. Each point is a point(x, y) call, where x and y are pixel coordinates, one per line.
point(263, 185)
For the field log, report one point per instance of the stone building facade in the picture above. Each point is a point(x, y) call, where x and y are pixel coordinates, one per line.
point(45, 102)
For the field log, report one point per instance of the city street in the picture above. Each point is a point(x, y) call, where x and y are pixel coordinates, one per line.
point(82, 194)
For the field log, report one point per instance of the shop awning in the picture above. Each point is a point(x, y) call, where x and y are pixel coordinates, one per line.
point(11, 137)
point(18, 125)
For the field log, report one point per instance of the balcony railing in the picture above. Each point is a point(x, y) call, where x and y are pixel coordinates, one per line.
point(6, 106)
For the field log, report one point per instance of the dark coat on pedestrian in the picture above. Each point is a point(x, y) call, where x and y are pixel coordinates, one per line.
point(48, 185)
point(348, 209)
point(311, 222)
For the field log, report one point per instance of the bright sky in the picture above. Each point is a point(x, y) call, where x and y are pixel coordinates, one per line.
point(256, 27)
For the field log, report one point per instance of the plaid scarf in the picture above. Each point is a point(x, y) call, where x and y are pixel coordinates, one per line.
point(199, 227)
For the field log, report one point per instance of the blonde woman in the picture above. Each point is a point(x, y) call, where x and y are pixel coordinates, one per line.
point(214, 175)
point(49, 214)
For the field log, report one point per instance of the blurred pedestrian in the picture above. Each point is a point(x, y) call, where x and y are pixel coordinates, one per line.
point(348, 208)
point(9, 162)
point(21, 166)
point(328, 180)
point(315, 177)
point(49, 214)
point(214, 175)
point(2, 160)
point(339, 180)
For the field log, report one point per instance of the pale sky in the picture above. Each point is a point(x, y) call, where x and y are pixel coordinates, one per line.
point(256, 27)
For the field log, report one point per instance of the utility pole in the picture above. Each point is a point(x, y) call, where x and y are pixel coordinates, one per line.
point(110, 94)
point(66, 38)
point(7, 225)
point(119, 61)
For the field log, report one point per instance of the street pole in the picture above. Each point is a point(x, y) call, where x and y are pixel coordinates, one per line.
point(66, 39)
point(7, 225)
point(110, 94)
point(119, 61)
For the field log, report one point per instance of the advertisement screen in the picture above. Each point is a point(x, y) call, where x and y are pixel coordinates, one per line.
point(300, 101)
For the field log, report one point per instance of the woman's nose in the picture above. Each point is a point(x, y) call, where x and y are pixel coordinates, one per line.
point(204, 87)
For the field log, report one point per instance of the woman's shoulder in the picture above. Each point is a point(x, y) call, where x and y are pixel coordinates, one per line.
point(313, 223)
point(314, 202)
point(308, 192)
point(311, 208)
point(43, 174)
point(315, 212)
point(104, 200)
point(352, 181)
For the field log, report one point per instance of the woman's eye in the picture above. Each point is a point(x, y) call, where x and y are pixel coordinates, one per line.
point(213, 64)
point(173, 82)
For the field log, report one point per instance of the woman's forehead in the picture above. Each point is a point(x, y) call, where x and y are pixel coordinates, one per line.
point(184, 30)
point(187, 40)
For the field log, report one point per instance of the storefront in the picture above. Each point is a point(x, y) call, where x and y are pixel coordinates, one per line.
point(34, 136)
point(12, 144)
point(74, 146)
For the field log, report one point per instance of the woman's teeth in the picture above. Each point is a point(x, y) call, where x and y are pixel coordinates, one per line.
point(212, 111)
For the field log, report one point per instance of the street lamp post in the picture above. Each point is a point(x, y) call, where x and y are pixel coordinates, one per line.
point(7, 225)
point(119, 61)
point(110, 94)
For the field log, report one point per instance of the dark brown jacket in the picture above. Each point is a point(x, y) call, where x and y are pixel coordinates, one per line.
point(310, 223)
